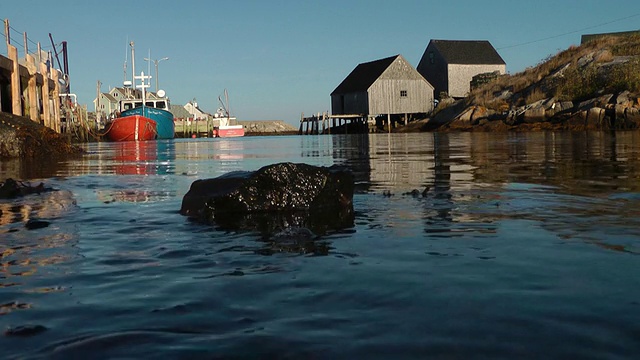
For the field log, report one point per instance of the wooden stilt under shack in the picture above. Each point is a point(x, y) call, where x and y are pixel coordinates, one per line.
point(334, 124)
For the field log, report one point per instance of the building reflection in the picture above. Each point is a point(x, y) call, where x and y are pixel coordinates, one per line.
point(470, 177)
point(441, 190)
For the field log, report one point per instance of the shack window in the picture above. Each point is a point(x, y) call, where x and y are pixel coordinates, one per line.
point(403, 93)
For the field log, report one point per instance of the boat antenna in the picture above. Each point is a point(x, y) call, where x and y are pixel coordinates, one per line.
point(126, 57)
point(149, 65)
point(226, 97)
point(225, 103)
point(133, 66)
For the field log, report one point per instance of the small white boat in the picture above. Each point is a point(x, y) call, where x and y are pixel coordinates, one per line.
point(225, 129)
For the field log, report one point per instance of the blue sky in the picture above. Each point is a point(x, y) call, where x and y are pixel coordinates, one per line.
point(278, 58)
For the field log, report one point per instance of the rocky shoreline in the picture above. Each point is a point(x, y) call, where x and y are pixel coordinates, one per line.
point(592, 87)
point(607, 112)
point(23, 138)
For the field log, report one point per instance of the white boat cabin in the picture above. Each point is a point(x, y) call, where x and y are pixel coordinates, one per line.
point(128, 104)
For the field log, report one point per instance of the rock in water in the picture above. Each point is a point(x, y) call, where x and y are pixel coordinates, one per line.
point(274, 198)
point(10, 189)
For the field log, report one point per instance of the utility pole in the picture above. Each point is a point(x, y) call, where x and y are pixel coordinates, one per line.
point(155, 62)
point(7, 32)
point(98, 110)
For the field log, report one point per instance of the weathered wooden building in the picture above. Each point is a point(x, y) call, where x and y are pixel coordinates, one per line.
point(450, 65)
point(386, 86)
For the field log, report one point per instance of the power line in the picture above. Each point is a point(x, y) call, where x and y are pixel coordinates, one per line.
point(570, 32)
point(19, 40)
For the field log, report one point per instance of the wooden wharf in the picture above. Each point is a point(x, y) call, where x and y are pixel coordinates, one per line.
point(187, 128)
point(32, 88)
point(356, 123)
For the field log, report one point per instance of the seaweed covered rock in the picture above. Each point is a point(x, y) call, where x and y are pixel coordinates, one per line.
point(273, 198)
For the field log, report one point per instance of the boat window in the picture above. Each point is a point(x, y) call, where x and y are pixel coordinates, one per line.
point(139, 103)
point(149, 104)
point(127, 106)
point(160, 105)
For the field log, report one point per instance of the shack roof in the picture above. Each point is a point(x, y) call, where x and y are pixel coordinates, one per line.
point(470, 52)
point(364, 75)
point(179, 112)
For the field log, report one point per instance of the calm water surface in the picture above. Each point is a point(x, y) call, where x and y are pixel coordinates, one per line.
point(525, 246)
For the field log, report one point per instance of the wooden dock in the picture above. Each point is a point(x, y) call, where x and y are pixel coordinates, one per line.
point(342, 124)
point(186, 128)
point(31, 87)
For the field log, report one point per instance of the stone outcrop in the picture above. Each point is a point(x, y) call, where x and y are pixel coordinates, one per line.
point(274, 198)
point(267, 127)
point(607, 112)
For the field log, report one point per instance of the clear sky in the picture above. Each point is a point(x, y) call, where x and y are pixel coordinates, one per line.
point(278, 58)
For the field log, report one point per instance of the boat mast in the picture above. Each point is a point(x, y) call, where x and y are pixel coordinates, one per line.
point(126, 57)
point(133, 66)
point(226, 98)
point(143, 85)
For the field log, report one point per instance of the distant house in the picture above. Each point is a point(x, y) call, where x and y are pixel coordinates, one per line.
point(450, 65)
point(196, 113)
point(180, 113)
point(107, 103)
point(385, 86)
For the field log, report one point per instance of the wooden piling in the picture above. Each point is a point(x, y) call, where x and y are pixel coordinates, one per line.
point(32, 88)
point(16, 103)
point(46, 111)
point(56, 101)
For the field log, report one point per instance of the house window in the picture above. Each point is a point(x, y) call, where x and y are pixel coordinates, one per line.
point(431, 57)
point(403, 93)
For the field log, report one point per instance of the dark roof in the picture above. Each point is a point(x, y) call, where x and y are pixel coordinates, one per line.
point(476, 52)
point(110, 97)
point(364, 75)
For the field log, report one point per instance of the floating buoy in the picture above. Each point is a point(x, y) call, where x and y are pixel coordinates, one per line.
point(193, 136)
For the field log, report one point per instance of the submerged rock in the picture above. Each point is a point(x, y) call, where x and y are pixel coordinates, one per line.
point(25, 330)
point(274, 198)
point(10, 189)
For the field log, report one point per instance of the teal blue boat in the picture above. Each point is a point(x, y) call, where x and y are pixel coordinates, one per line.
point(145, 118)
point(153, 109)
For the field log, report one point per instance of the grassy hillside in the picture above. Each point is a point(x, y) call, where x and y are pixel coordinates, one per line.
point(606, 65)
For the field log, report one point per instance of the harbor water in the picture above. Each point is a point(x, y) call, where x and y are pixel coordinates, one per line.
point(515, 245)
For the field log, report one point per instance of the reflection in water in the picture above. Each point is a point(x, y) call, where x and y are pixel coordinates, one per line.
point(476, 180)
point(442, 202)
point(522, 241)
point(577, 162)
point(144, 157)
point(47, 205)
